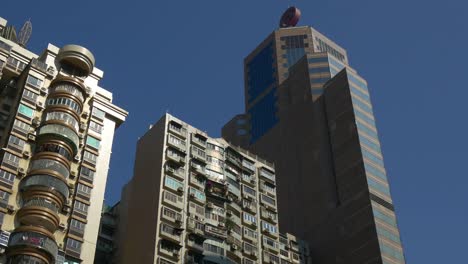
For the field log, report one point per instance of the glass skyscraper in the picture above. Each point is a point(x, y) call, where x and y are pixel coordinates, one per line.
point(308, 111)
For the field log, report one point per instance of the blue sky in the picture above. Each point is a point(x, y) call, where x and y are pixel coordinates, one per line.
point(186, 57)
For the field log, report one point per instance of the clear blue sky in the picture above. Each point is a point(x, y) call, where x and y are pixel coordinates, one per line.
point(186, 57)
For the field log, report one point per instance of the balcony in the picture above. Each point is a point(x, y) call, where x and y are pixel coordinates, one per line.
point(270, 258)
point(216, 232)
point(177, 129)
point(171, 233)
point(193, 244)
point(267, 175)
point(173, 200)
point(198, 154)
point(5, 47)
point(42, 66)
point(39, 211)
point(171, 216)
point(269, 216)
point(248, 166)
point(198, 169)
point(175, 158)
point(36, 240)
point(177, 144)
point(178, 173)
point(197, 140)
point(197, 181)
point(169, 250)
point(234, 160)
point(195, 227)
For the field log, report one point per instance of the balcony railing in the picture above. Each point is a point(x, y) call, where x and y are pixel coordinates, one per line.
point(5, 46)
point(178, 130)
point(42, 66)
point(267, 174)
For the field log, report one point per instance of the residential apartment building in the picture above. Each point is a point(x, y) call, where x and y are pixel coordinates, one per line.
point(56, 131)
point(105, 246)
point(310, 113)
point(197, 199)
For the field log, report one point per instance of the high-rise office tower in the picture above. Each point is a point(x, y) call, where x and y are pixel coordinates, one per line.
point(197, 199)
point(310, 113)
point(56, 131)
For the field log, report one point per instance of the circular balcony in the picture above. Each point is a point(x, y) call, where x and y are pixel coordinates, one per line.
point(67, 85)
point(62, 117)
point(33, 241)
point(26, 258)
point(38, 211)
point(65, 102)
point(49, 166)
point(45, 182)
point(54, 149)
point(77, 57)
point(61, 132)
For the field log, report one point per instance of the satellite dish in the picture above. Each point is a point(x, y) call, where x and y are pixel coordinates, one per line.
point(25, 33)
point(290, 17)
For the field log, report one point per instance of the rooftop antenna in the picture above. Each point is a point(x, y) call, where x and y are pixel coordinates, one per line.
point(25, 33)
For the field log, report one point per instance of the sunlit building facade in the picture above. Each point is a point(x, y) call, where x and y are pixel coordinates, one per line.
point(56, 131)
point(197, 199)
point(310, 113)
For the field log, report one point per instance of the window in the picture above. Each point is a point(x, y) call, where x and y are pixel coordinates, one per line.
point(215, 161)
point(249, 232)
point(84, 189)
point(215, 148)
point(16, 143)
point(65, 117)
point(64, 101)
point(98, 113)
point(171, 213)
point(70, 89)
point(81, 207)
point(11, 159)
point(77, 225)
point(30, 96)
point(86, 173)
point(36, 82)
point(48, 147)
point(270, 242)
point(212, 248)
point(74, 245)
point(198, 194)
point(172, 183)
point(249, 247)
point(249, 218)
point(268, 200)
point(269, 227)
point(200, 210)
point(198, 151)
point(7, 177)
point(4, 196)
point(25, 111)
point(248, 190)
point(175, 140)
point(90, 157)
point(269, 187)
point(93, 142)
point(95, 127)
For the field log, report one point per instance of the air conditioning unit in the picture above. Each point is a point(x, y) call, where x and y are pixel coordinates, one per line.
point(43, 90)
point(62, 226)
point(40, 105)
point(252, 181)
point(73, 174)
point(192, 195)
point(81, 135)
point(10, 209)
point(72, 186)
point(66, 209)
point(77, 158)
point(21, 171)
point(254, 253)
point(26, 154)
point(85, 114)
point(32, 136)
point(221, 224)
point(228, 212)
point(36, 121)
point(180, 189)
point(210, 205)
point(82, 126)
point(234, 247)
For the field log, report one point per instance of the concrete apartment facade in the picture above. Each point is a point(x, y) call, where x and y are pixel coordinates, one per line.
point(56, 131)
point(310, 113)
point(197, 199)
